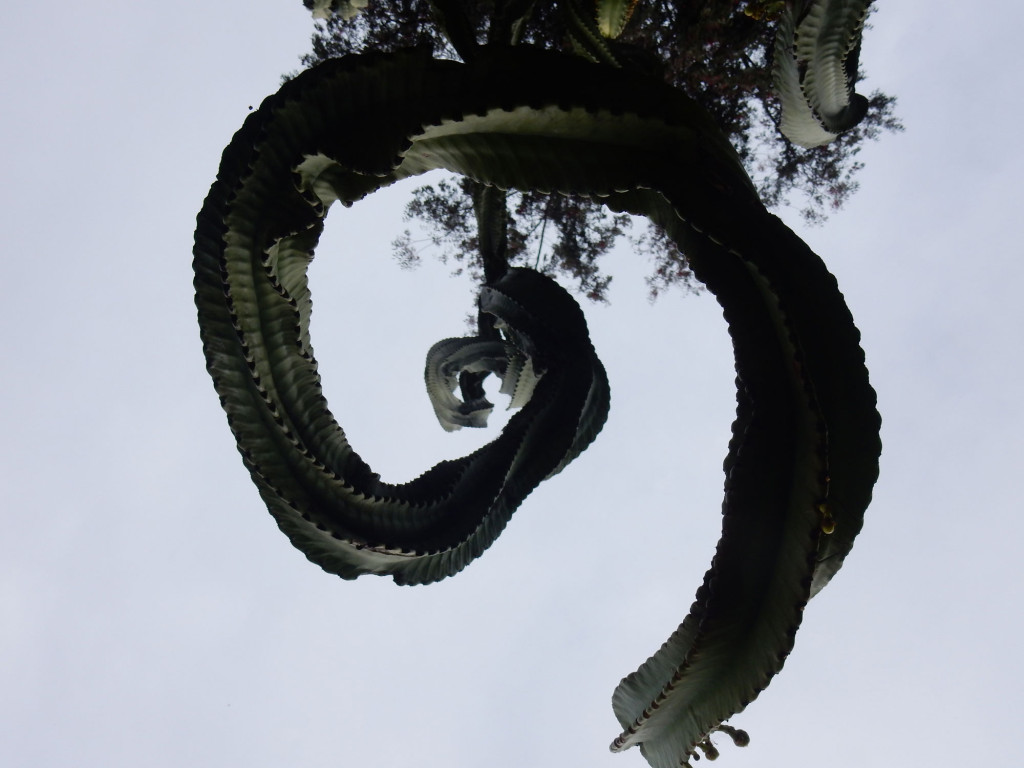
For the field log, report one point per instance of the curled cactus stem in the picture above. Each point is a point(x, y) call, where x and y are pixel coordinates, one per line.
point(806, 430)
point(815, 70)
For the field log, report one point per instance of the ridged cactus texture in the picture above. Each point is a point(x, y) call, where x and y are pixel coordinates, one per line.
point(612, 15)
point(805, 444)
point(817, 49)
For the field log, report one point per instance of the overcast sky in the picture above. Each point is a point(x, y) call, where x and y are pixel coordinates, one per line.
point(151, 614)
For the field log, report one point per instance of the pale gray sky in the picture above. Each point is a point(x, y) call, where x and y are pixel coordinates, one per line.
point(151, 614)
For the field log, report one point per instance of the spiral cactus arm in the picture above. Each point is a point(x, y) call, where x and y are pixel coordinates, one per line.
point(253, 242)
point(816, 51)
point(807, 441)
point(803, 457)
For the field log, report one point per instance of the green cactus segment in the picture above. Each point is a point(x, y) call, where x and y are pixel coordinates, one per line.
point(803, 456)
point(585, 34)
point(804, 451)
point(816, 54)
point(612, 16)
point(450, 358)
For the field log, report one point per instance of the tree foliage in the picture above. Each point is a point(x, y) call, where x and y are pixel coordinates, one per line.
point(718, 52)
point(580, 230)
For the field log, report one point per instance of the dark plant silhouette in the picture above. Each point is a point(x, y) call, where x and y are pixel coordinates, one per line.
point(599, 123)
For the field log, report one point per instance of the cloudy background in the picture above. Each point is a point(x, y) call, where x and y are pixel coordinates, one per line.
point(151, 614)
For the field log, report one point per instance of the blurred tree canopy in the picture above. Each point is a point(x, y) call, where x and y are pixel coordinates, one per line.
point(719, 52)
